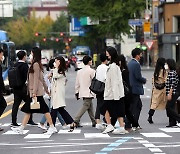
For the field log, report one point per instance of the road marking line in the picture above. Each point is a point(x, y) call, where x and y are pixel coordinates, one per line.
point(114, 145)
point(78, 151)
point(155, 135)
point(170, 130)
point(10, 111)
point(9, 103)
point(36, 136)
point(11, 132)
point(150, 146)
point(95, 135)
point(155, 150)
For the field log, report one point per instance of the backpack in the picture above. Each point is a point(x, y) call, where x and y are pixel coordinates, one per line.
point(14, 77)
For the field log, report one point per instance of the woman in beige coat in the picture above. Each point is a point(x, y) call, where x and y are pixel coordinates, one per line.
point(158, 99)
point(36, 88)
point(58, 92)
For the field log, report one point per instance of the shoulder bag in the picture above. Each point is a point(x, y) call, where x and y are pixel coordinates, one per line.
point(97, 86)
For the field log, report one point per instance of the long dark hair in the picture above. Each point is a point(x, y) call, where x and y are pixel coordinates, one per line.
point(159, 65)
point(62, 67)
point(171, 64)
point(123, 65)
point(114, 55)
point(36, 59)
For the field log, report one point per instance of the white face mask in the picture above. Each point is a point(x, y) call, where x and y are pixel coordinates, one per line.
point(166, 67)
point(31, 57)
point(3, 58)
point(54, 64)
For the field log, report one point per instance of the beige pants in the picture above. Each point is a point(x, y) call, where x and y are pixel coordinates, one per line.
point(87, 106)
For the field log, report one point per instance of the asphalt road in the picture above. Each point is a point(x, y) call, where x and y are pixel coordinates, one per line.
point(153, 138)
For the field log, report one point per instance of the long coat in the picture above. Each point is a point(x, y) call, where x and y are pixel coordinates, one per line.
point(36, 82)
point(159, 99)
point(58, 90)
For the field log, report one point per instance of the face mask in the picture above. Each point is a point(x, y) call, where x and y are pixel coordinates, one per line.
point(54, 64)
point(166, 67)
point(3, 58)
point(31, 57)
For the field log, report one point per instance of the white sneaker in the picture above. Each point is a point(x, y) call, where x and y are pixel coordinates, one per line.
point(178, 124)
point(120, 131)
point(18, 130)
point(136, 128)
point(42, 126)
point(108, 129)
point(51, 131)
point(100, 126)
point(65, 127)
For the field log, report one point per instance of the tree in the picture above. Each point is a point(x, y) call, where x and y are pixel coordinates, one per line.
point(60, 25)
point(22, 31)
point(22, 12)
point(113, 15)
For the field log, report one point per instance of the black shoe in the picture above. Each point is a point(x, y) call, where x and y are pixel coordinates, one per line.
point(94, 125)
point(77, 125)
point(15, 125)
point(32, 123)
point(72, 127)
point(150, 120)
point(173, 126)
point(1, 129)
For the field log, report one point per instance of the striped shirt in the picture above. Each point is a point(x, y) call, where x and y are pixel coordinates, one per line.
point(172, 81)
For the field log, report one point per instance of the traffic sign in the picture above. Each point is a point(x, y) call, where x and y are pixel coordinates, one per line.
point(135, 22)
point(146, 27)
point(149, 43)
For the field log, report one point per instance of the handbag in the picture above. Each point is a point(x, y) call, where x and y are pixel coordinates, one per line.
point(126, 88)
point(34, 104)
point(97, 86)
point(159, 86)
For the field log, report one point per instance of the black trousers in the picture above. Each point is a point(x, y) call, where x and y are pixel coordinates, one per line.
point(65, 115)
point(170, 110)
point(99, 107)
point(136, 107)
point(130, 118)
point(19, 96)
point(3, 104)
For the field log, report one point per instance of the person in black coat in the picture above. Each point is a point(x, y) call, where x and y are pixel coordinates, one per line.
point(3, 103)
point(20, 93)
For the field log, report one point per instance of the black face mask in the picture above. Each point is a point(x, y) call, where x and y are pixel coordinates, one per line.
point(108, 59)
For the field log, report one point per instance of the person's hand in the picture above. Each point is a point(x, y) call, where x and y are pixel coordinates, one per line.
point(34, 95)
point(50, 76)
point(49, 94)
point(169, 97)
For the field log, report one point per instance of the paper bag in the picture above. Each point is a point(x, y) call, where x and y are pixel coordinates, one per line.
point(34, 104)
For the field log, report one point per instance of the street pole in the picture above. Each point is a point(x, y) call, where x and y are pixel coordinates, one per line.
point(147, 35)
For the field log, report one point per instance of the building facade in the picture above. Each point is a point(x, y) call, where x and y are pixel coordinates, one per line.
point(52, 8)
point(169, 30)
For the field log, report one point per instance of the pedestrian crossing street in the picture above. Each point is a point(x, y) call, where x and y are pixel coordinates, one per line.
point(26, 132)
point(140, 139)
